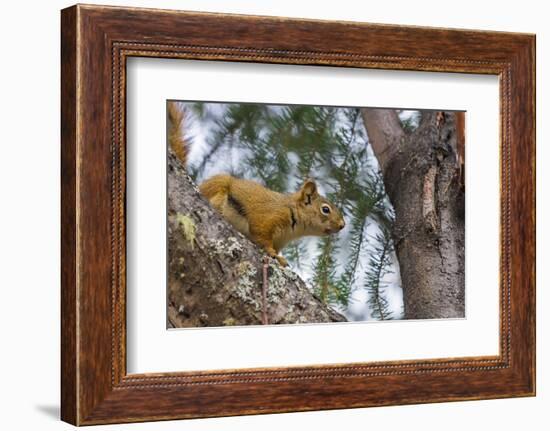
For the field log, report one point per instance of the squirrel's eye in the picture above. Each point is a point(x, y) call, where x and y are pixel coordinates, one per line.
point(325, 209)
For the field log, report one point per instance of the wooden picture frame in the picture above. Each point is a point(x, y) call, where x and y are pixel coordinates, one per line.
point(95, 43)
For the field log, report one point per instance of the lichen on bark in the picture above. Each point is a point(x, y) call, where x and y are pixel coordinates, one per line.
point(215, 273)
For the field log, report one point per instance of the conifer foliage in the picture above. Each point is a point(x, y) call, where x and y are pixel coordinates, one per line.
point(280, 146)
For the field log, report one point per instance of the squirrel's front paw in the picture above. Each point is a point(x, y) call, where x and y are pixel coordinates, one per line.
point(274, 255)
point(282, 261)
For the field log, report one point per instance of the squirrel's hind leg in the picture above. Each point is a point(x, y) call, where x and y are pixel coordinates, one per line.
point(218, 201)
point(221, 204)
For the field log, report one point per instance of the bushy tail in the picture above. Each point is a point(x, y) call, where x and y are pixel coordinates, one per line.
point(218, 184)
point(176, 138)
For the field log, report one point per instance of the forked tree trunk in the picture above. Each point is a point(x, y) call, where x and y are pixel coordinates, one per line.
point(215, 275)
point(422, 174)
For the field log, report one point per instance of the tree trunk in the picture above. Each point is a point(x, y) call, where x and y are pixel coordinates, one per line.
point(215, 274)
point(423, 179)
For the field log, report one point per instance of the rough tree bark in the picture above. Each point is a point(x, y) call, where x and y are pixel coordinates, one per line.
point(215, 274)
point(423, 178)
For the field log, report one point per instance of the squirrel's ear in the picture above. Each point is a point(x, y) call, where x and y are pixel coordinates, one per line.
point(308, 191)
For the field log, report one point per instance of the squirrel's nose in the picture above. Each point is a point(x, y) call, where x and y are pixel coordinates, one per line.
point(341, 225)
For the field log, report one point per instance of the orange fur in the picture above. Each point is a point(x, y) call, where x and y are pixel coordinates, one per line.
point(269, 218)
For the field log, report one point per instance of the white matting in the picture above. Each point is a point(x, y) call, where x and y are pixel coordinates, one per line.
point(152, 348)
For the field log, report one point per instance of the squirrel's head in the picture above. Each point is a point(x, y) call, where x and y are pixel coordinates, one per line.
point(322, 217)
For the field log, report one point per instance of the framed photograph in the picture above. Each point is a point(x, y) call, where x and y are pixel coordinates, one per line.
point(266, 215)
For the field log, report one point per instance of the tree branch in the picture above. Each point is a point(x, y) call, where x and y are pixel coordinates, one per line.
point(385, 133)
point(215, 273)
